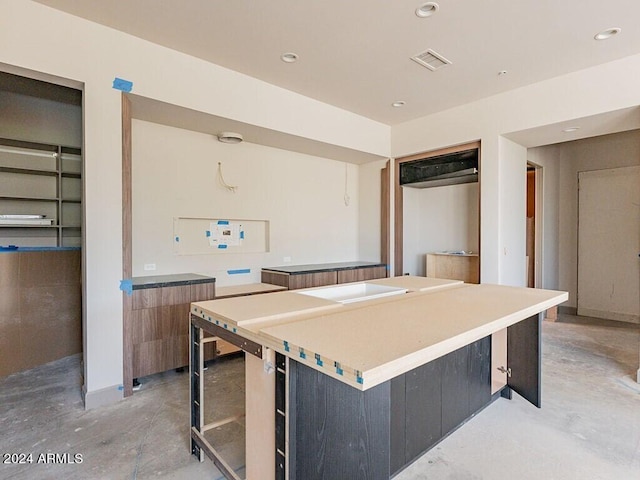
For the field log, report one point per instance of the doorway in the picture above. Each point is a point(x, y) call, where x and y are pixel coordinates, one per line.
point(41, 207)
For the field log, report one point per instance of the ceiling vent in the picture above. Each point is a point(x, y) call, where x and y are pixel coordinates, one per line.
point(430, 59)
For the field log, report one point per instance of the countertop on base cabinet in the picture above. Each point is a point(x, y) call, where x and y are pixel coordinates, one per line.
point(159, 320)
point(317, 275)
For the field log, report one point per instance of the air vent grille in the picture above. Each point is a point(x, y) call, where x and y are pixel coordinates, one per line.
point(431, 59)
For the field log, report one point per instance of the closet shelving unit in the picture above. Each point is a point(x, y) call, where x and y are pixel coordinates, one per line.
point(44, 180)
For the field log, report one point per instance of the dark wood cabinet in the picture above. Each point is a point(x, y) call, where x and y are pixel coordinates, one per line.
point(160, 321)
point(307, 276)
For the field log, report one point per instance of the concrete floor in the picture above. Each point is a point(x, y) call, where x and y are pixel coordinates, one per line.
point(588, 427)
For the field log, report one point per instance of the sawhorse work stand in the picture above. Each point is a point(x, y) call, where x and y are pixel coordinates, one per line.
point(262, 403)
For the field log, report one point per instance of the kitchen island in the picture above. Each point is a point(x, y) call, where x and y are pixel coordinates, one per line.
point(360, 389)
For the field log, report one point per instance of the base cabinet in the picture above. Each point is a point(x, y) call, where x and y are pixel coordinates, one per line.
point(160, 326)
point(341, 432)
point(319, 276)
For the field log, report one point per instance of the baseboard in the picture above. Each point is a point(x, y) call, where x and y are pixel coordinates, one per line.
point(568, 310)
point(102, 397)
point(605, 315)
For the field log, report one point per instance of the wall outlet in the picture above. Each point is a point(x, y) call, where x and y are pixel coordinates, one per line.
point(286, 259)
point(149, 266)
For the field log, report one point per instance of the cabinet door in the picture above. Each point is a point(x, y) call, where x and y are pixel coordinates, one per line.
point(361, 274)
point(307, 280)
point(524, 359)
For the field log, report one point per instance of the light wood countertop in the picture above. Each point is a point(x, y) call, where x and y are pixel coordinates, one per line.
point(364, 344)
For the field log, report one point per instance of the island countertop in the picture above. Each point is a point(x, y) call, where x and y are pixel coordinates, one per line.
point(367, 343)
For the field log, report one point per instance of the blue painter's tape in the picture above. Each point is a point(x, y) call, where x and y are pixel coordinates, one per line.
point(360, 380)
point(222, 246)
point(225, 326)
point(339, 371)
point(126, 286)
point(319, 360)
point(223, 222)
point(122, 84)
point(177, 239)
point(234, 330)
point(286, 346)
point(239, 271)
point(242, 235)
point(217, 322)
point(207, 233)
point(302, 354)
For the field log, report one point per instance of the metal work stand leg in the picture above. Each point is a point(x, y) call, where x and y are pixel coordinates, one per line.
point(197, 388)
point(199, 444)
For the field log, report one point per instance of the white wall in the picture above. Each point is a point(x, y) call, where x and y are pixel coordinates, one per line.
point(512, 213)
point(548, 259)
point(592, 91)
point(437, 219)
point(41, 39)
point(302, 197)
point(561, 163)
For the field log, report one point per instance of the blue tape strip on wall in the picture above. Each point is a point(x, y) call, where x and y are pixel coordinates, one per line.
point(122, 84)
point(239, 271)
point(223, 222)
point(222, 246)
point(242, 235)
point(207, 233)
point(177, 239)
point(126, 286)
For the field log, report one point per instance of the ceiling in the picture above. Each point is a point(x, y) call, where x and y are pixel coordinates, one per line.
point(355, 54)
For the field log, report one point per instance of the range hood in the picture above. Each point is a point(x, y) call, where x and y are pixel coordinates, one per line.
point(450, 169)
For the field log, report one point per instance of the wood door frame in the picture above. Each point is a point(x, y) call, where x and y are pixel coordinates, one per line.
point(538, 224)
point(385, 215)
point(398, 199)
point(127, 257)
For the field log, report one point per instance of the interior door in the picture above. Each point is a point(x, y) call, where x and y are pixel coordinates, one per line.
point(609, 243)
point(524, 358)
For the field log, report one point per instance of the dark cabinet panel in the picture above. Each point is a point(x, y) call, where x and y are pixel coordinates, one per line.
point(455, 389)
point(479, 374)
point(308, 280)
point(524, 359)
point(340, 432)
point(361, 274)
point(423, 408)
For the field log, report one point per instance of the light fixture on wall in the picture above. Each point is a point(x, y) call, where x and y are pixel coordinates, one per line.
point(230, 137)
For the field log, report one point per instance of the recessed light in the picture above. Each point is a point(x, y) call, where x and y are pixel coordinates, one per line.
point(289, 57)
point(570, 129)
point(427, 9)
point(229, 137)
point(608, 33)
point(399, 103)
